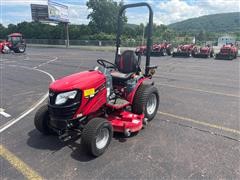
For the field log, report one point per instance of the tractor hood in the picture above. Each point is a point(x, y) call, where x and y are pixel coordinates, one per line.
point(83, 80)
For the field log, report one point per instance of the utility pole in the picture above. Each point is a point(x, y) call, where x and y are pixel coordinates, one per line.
point(143, 35)
point(67, 35)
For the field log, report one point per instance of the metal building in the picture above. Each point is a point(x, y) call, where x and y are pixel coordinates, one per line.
point(226, 40)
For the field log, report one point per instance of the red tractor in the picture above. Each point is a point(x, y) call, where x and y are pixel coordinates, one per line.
point(203, 52)
point(161, 49)
point(141, 50)
point(14, 42)
point(227, 52)
point(113, 97)
point(184, 50)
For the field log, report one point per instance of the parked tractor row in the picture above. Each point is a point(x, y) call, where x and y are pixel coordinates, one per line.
point(192, 50)
point(161, 49)
point(14, 42)
point(227, 52)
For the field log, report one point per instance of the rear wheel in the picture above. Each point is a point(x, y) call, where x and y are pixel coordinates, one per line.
point(20, 49)
point(97, 136)
point(146, 101)
point(41, 120)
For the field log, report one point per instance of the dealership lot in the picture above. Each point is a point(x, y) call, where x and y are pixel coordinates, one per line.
point(196, 133)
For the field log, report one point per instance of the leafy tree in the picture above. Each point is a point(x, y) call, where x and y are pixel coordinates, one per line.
point(3, 32)
point(103, 17)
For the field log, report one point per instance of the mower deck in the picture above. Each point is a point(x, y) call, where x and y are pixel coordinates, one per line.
point(125, 121)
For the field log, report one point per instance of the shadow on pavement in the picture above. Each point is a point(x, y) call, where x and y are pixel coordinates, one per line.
point(38, 141)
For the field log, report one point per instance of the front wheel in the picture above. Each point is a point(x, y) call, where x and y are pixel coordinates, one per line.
point(97, 136)
point(41, 120)
point(146, 101)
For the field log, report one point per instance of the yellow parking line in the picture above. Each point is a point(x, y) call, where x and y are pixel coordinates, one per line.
point(19, 164)
point(201, 90)
point(201, 123)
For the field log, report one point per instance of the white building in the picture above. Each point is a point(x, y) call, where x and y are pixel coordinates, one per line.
point(226, 40)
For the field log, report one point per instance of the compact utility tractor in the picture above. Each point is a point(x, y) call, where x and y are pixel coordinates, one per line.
point(141, 50)
point(14, 42)
point(227, 52)
point(161, 49)
point(184, 50)
point(203, 52)
point(113, 97)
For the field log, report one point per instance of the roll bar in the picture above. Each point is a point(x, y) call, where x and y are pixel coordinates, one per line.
point(149, 31)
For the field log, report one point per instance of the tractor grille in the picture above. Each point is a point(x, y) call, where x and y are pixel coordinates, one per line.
point(65, 111)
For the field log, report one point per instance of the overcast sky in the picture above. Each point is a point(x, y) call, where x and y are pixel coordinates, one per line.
point(165, 11)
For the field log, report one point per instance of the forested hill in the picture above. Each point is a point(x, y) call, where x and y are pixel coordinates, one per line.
point(226, 22)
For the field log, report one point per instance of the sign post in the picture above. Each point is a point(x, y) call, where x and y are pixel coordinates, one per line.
point(67, 35)
point(59, 13)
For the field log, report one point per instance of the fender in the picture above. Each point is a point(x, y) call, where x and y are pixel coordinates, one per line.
point(145, 81)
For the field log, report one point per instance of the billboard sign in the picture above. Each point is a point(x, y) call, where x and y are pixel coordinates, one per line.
point(57, 12)
point(39, 12)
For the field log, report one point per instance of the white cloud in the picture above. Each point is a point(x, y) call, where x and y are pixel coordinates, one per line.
point(176, 10)
point(22, 2)
point(78, 14)
point(219, 6)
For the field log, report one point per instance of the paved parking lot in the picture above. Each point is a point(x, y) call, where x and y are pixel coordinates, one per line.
point(195, 135)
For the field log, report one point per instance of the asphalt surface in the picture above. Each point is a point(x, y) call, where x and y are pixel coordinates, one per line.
point(195, 135)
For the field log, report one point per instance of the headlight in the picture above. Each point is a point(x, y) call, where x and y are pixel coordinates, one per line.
point(63, 97)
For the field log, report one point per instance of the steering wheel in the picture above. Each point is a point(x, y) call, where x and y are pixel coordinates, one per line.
point(106, 64)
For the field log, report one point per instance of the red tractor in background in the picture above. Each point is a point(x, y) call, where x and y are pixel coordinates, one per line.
point(227, 52)
point(113, 97)
point(141, 50)
point(162, 49)
point(184, 50)
point(203, 52)
point(14, 42)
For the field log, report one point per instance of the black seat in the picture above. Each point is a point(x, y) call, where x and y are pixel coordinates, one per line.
point(128, 64)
